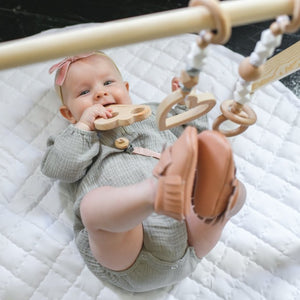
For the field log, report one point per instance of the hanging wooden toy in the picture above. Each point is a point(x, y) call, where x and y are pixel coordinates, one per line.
point(255, 71)
point(197, 104)
point(123, 115)
point(251, 70)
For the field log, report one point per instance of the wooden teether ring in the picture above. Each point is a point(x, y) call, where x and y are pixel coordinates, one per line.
point(295, 22)
point(221, 20)
point(123, 115)
point(205, 102)
point(246, 115)
point(233, 132)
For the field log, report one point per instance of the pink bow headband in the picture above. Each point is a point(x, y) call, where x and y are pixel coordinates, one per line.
point(63, 67)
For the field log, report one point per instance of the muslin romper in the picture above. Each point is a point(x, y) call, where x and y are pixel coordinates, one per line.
point(89, 159)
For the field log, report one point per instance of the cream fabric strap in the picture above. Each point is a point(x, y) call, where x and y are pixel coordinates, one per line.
point(123, 143)
point(146, 152)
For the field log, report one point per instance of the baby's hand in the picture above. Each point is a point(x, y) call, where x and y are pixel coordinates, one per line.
point(175, 84)
point(92, 113)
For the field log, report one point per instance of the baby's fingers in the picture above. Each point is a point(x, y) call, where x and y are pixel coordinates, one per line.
point(175, 84)
point(102, 112)
point(109, 112)
point(105, 114)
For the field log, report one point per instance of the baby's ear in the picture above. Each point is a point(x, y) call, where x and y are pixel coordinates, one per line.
point(126, 85)
point(66, 113)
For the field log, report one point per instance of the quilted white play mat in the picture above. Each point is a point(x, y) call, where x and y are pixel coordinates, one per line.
point(258, 256)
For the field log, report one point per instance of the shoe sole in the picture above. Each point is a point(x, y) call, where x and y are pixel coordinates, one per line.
point(215, 175)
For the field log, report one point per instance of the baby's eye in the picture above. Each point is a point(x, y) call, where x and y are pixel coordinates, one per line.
point(108, 82)
point(84, 92)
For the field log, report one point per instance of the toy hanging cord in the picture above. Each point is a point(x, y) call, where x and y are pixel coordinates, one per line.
point(202, 15)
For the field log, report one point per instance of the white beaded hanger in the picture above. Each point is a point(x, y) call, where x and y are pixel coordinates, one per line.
point(250, 70)
point(198, 104)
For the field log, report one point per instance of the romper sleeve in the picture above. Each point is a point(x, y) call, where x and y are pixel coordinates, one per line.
point(69, 154)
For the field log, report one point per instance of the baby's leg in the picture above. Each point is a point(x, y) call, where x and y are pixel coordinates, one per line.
point(113, 218)
point(218, 194)
point(113, 215)
point(204, 236)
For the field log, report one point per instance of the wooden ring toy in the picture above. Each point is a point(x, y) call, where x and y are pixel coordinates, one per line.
point(295, 23)
point(199, 104)
point(221, 20)
point(229, 133)
point(123, 115)
point(245, 115)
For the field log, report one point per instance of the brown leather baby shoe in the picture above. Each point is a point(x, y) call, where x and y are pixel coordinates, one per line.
point(216, 188)
point(175, 172)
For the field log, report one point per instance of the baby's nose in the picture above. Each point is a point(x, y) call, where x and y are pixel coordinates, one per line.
point(100, 93)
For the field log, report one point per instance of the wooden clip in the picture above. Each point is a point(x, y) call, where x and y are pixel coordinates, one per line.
point(123, 115)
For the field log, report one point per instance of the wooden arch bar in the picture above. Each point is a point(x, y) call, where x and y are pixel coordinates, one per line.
point(136, 29)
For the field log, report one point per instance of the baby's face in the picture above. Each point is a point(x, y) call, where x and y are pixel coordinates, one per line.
point(93, 80)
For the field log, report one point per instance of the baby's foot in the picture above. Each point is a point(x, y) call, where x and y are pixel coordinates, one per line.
point(217, 190)
point(175, 173)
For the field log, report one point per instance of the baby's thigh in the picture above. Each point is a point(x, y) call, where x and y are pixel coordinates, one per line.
point(165, 237)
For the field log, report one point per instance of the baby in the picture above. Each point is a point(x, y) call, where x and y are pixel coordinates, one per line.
point(141, 222)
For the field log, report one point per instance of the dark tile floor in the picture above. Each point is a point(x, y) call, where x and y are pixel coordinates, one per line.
point(21, 18)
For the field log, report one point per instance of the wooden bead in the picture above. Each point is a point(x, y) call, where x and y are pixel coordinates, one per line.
point(276, 29)
point(122, 143)
point(205, 40)
point(236, 108)
point(187, 80)
point(249, 72)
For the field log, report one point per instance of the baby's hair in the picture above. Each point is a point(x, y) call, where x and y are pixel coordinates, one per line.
point(98, 52)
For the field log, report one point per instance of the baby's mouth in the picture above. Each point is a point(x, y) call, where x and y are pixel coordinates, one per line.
point(108, 104)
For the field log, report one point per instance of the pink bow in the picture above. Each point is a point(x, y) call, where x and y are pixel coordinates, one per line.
point(63, 67)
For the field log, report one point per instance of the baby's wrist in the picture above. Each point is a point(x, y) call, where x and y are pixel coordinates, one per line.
point(82, 126)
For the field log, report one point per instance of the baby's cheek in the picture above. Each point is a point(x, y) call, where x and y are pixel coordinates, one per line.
point(81, 111)
point(125, 98)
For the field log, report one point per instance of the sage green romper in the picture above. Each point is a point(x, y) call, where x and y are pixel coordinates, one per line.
point(89, 159)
